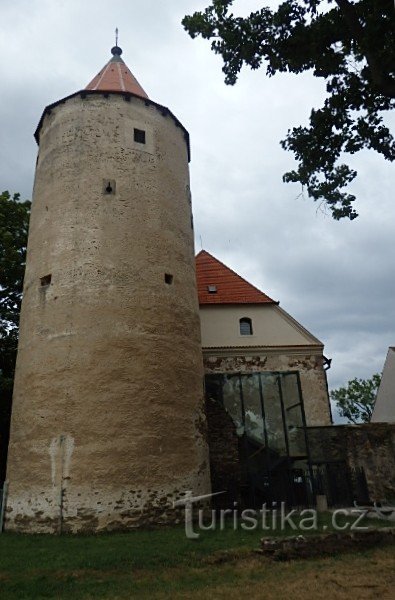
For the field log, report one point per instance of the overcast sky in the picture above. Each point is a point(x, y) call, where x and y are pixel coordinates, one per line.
point(336, 278)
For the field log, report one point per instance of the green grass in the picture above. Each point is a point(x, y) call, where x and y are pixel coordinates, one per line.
point(141, 563)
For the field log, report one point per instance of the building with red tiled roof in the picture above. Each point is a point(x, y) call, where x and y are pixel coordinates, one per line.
point(243, 329)
point(265, 371)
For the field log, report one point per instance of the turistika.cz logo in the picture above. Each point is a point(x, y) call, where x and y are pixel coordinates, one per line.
point(275, 517)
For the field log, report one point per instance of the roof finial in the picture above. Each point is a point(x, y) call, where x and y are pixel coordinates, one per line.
point(116, 51)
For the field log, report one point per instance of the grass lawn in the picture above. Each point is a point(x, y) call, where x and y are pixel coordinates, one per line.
point(163, 563)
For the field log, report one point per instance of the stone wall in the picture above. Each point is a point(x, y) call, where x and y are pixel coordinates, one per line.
point(225, 467)
point(371, 446)
point(310, 367)
point(325, 544)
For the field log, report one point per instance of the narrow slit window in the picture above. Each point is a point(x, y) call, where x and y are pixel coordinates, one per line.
point(139, 136)
point(245, 326)
point(45, 281)
point(108, 187)
point(168, 278)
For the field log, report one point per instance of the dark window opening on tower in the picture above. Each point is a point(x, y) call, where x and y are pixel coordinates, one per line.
point(245, 326)
point(45, 281)
point(139, 136)
point(168, 278)
point(108, 186)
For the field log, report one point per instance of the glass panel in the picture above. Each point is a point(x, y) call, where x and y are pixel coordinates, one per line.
point(293, 414)
point(226, 388)
point(296, 434)
point(290, 389)
point(232, 400)
point(253, 408)
point(273, 414)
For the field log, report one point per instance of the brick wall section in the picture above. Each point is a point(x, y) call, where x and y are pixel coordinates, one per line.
point(371, 446)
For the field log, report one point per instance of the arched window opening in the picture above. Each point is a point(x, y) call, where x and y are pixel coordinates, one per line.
point(245, 326)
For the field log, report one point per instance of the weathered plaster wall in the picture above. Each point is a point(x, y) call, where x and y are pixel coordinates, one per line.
point(108, 425)
point(371, 446)
point(271, 326)
point(310, 367)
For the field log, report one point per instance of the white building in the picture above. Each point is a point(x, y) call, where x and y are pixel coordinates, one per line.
point(384, 408)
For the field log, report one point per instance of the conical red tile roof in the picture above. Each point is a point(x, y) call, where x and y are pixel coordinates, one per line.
point(230, 287)
point(116, 77)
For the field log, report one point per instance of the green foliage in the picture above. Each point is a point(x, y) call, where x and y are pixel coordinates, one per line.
point(349, 44)
point(356, 401)
point(14, 223)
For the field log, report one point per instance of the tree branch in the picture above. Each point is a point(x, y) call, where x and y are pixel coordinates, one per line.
point(383, 83)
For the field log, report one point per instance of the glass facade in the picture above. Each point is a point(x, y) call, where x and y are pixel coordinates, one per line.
point(268, 414)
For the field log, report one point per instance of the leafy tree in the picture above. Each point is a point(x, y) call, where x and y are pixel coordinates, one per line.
point(14, 223)
point(356, 401)
point(348, 43)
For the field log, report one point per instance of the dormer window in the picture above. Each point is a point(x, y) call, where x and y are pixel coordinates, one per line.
point(212, 289)
point(245, 326)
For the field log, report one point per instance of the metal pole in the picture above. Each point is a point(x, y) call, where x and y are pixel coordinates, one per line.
point(306, 437)
point(245, 443)
point(265, 435)
point(289, 480)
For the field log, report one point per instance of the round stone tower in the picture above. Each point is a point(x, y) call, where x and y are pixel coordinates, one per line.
point(108, 427)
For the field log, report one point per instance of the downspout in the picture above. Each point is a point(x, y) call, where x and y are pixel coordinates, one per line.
point(327, 363)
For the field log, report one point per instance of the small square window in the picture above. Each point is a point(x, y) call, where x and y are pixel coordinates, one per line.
point(212, 289)
point(46, 280)
point(168, 278)
point(139, 136)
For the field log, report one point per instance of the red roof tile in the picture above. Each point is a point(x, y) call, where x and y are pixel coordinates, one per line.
point(116, 77)
point(230, 287)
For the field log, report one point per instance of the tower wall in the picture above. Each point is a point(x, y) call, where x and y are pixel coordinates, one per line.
point(108, 425)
